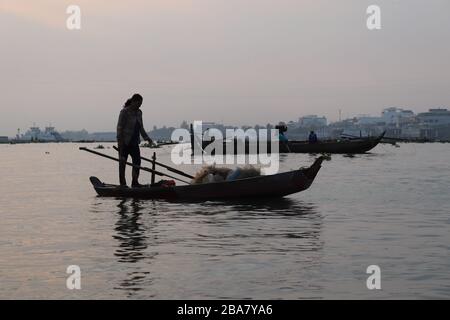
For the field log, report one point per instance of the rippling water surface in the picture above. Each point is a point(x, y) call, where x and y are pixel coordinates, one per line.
point(390, 208)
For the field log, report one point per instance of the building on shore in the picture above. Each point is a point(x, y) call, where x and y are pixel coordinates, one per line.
point(4, 139)
point(366, 120)
point(433, 125)
point(394, 116)
point(80, 135)
point(312, 121)
point(435, 117)
point(104, 136)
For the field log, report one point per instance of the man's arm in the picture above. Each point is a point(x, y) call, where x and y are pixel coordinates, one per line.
point(142, 130)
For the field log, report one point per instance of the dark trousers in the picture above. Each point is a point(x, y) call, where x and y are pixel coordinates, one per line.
point(135, 153)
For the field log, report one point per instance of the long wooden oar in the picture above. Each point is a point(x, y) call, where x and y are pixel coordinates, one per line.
point(181, 173)
point(132, 165)
point(286, 143)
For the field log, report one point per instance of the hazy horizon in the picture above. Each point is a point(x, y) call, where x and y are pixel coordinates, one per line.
point(231, 61)
point(177, 125)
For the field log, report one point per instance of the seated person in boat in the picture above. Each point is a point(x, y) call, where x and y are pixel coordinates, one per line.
point(282, 128)
point(312, 137)
point(129, 129)
point(282, 137)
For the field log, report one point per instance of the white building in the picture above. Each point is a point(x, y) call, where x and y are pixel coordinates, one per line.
point(410, 132)
point(369, 120)
point(312, 121)
point(435, 117)
point(396, 116)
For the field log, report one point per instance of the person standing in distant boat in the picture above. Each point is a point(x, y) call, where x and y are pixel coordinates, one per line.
point(129, 129)
point(312, 137)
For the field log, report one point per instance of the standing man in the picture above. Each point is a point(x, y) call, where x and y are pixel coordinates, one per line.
point(129, 129)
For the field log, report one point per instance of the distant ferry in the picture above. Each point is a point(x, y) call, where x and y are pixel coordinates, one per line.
point(37, 135)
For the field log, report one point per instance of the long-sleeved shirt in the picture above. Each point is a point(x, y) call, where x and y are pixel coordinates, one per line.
point(128, 120)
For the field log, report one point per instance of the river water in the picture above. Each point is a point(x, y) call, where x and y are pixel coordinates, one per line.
point(388, 208)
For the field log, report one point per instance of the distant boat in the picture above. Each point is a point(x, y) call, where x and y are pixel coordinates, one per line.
point(4, 139)
point(35, 134)
point(158, 144)
point(343, 146)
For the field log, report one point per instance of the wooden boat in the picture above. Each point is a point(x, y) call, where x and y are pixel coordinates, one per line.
point(343, 146)
point(277, 185)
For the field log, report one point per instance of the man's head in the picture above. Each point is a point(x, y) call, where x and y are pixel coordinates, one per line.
point(134, 102)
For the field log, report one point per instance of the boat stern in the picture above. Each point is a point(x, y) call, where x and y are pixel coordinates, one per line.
point(312, 171)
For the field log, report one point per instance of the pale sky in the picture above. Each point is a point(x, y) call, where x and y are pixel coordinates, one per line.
point(232, 61)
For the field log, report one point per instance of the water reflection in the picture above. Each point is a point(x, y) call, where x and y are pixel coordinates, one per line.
point(282, 157)
point(275, 206)
point(215, 233)
point(133, 238)
point(269, 226)
point(264, 207)
point(130, 232)
point(366, 156)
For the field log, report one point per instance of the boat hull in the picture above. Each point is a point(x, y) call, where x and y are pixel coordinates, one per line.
point(347, 146)
point(277, 185)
